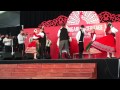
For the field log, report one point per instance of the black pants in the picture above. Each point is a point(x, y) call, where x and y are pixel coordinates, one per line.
point(15, 48)
point(8, 49)
point(1, 47)
point(42, 50)
point(48, 50)
point(21, 48)
point(81, 49)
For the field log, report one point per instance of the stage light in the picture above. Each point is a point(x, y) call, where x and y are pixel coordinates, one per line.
point(1, 12)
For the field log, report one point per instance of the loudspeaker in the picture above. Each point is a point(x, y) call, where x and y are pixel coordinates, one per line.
point(6, 55)
point(48, 57)
point(29, 56)
point(17, 55)
point(107, 69)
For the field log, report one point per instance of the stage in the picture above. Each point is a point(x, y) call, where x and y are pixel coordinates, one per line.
point(105, 68)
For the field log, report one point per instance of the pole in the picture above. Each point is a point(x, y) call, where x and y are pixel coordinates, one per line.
point(22, 26)
point(12, 48)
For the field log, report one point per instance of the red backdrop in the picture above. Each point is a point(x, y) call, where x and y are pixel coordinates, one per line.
point(52, 34)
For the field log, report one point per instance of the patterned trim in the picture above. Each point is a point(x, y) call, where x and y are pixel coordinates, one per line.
point(30, 50)
point(55, 22)
point(103, 47)
point(105, 16)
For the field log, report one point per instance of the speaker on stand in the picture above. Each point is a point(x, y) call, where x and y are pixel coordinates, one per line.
point(16, 55)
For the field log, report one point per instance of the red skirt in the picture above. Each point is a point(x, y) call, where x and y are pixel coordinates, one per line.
point(31, 47)
point(106, 43)
point(32, 44)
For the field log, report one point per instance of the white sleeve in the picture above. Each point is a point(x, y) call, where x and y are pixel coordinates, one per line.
point(78, 36)
point(94, 37)
point(10, 40)
point(70, 39)
point(58, 40)
point(114, 30)
point(41, 34)
point(50, 42)
point(19, 38)
point(24, 37)
point(4, 40)
point(34, 37)
point(58, 33)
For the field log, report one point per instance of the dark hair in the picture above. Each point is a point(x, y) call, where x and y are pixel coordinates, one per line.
point(63, 24)
point(82, 26)
point(109, 24)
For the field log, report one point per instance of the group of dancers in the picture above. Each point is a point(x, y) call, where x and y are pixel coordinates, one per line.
point(38, 46)
point(106, 43)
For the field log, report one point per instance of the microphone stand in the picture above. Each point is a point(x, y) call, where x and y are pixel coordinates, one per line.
point(12, 53)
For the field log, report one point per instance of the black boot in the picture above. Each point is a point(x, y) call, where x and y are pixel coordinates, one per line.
point(80, 55)
point(69, 57)
point(60, 56)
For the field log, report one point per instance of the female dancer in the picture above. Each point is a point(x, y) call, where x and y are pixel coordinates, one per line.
point(107, 43)
point(93, 37)
point(33, 47)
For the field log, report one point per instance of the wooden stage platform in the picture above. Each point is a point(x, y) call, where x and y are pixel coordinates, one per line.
point(60, 69)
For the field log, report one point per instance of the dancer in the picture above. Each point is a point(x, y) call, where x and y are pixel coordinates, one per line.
point(21, 39)
point(42, 41)
point(93, 37)
point(48, 44)
point(64, 40)
point(64, 50)
point(80, 39)
point(108, 42)
point(33, 47)
point(7, 43)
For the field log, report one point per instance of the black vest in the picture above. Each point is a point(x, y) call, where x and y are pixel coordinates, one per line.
point(64, 34)
point(82, 36)
point(43, 40)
